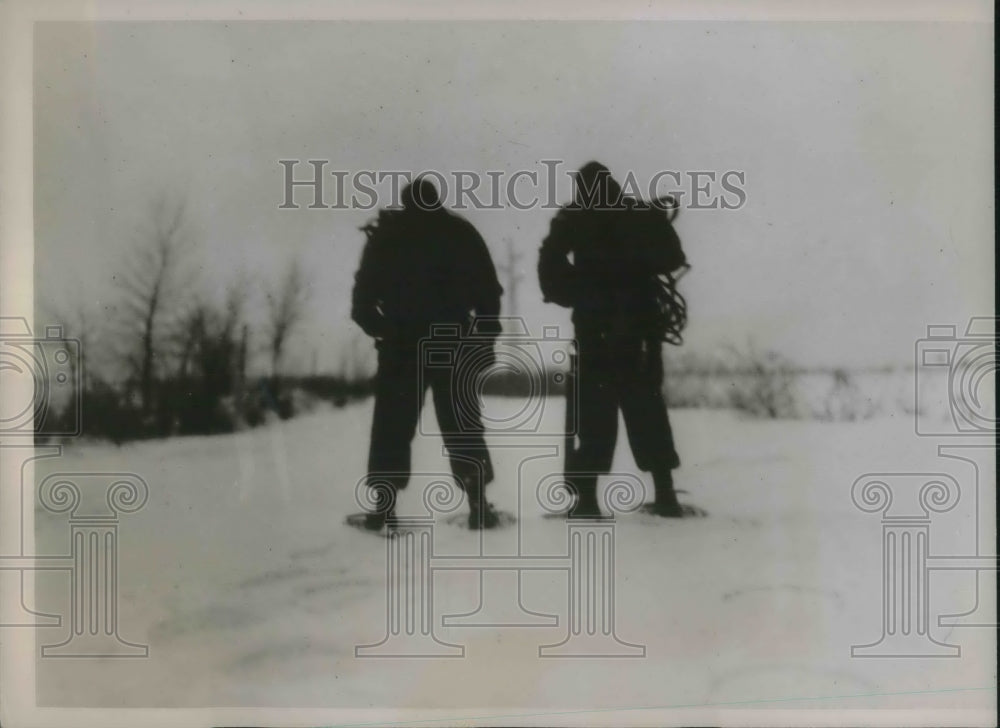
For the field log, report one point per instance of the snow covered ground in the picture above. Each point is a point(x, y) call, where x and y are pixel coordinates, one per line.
point(249, 591)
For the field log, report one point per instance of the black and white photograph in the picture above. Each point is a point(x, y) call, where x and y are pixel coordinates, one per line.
point(488, 364)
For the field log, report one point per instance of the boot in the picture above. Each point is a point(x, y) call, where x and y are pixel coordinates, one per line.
point(384, 510)
point(482, 514)
point(666, 504)
point(586, 505)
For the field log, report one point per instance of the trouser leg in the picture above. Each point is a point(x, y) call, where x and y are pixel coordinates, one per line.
point(644, 409)
point(597, 419)
point(459, 417)
point(398, 399)
point(647, 422)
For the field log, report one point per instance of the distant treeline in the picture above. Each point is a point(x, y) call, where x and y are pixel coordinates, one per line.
point(167, 354)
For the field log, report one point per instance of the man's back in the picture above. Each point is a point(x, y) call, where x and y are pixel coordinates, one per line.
point(611, 283)
point(421, 267)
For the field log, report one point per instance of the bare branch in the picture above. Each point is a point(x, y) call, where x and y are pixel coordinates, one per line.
point(286, 309)
point(151, 283)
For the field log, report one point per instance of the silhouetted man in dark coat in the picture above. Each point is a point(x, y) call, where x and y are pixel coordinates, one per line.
point(424, 267)
point(610, 284)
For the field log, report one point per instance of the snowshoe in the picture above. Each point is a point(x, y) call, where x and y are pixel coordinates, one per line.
point(483, 516)
point(377, 523)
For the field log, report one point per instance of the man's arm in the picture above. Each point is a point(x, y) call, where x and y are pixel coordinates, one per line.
point(365, 298)
point(485, 288)
point(556, 275)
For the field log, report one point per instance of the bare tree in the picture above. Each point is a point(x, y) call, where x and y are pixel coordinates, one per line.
point(236, 331)
point(286, 307)
point(152, 283)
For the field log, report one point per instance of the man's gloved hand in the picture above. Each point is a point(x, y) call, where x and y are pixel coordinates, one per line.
point(489, 354)
point(381, 328)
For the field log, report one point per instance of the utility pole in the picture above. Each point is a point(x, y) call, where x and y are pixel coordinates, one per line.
point(512, 276)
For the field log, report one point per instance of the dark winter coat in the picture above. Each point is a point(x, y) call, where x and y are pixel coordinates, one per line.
point(617, 254)
point(423, 267)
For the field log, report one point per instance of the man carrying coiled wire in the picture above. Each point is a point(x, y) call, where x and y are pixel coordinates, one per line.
point(614, 261)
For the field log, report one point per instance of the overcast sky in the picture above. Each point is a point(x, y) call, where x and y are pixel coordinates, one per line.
point(867, 149)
